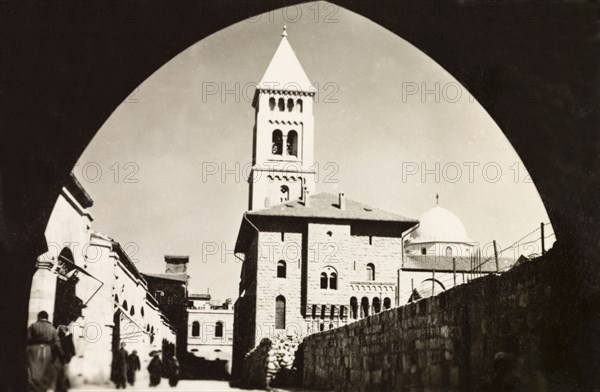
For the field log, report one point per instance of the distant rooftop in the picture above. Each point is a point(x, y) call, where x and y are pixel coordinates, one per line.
point(205, 297)
point(178, 277)
point(172, 259)
point(321, 206)
point(326, 205)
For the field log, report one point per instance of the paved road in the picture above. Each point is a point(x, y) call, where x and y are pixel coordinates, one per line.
point(184, 385)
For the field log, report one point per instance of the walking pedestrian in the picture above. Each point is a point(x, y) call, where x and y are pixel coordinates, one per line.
point(43, 353)
point(119, 367)
point(68, 351)
point(133, 365)
point(155, 369)
point(173, 370)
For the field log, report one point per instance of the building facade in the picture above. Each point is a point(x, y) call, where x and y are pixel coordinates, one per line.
point(56, 277)
point(314, 264)
point(85, 281)
point(171, 291)
point(210, 334)
point(126, 312)
point(310, 261)
point(438, 255)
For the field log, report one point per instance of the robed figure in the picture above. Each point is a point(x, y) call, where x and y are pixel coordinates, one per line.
point(43, 354)
point(119, 367)
point(133, 366)
point(68, 351)
point(155, 369)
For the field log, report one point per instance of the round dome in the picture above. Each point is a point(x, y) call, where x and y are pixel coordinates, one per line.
point(439, 225)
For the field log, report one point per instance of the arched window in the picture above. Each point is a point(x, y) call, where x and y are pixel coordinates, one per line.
point(195, 329)
point(448, 251)
point(387, 303)
point(376, 305)
point(323, 311)
point(125, 306)
point(280, 312)
point(321, 327)
point(370, 272)
point(142, 311)
point(285, 193)
point(116, 298)
point(354, 307)
point(132, 310)
point(314, 311)
point(292, 143)
point(323, 280)
point(333, 281)
point(218, 329)
point(342, 312)
point(299, 106)
point(290, 104)
point(332, 312)
point(277, 139)
point(281, 269)
point(423, 251)
point(364, 307)
point(272, 103)
point(281, 104)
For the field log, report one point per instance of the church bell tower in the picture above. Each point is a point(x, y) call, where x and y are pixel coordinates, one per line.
point(282, 157)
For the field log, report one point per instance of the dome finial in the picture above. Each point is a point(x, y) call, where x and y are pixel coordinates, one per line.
point(437, 199)
point(284, 33)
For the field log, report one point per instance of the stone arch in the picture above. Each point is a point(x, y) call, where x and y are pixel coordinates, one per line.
point(280, 312)
point(354, 307)
point(387, 303)
point(219, 329)
point(277, 142)
point(370, 272)
point(32, 205)
point(376, 305)
point(292, 143)
point(364, 307)
point(281, 269)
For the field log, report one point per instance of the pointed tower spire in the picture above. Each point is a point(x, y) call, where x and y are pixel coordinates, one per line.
point(283, 132)
point(285, 71)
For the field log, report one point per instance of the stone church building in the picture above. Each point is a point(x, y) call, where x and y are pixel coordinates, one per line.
point(316, 261)
point(311, 261)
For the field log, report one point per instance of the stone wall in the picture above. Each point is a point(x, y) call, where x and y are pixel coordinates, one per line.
point(524, 324)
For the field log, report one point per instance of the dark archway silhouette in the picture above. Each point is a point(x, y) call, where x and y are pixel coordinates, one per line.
point(517, 59)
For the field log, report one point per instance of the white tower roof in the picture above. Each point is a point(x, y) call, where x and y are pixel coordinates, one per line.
point(284, 71)
point(439, 225)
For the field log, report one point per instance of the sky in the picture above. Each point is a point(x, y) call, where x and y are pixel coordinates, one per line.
point(392, 130)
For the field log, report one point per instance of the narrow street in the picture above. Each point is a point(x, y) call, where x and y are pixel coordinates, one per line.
point(184, 385)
